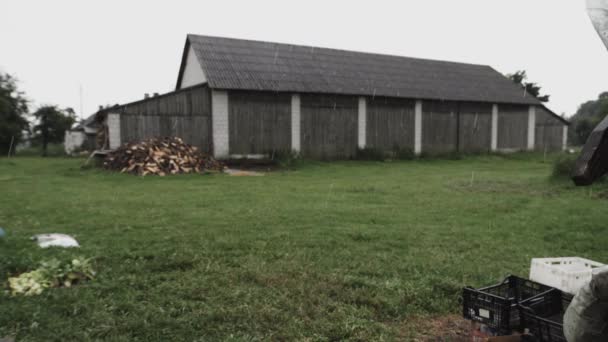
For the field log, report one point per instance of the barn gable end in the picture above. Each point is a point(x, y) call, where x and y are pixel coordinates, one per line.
point(191, 72)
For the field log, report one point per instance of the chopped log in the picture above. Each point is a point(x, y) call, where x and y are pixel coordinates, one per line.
point(160, 156)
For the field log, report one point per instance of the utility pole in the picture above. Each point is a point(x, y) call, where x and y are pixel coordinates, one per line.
point(82, 116)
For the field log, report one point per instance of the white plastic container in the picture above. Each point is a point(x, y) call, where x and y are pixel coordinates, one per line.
point(566, 274)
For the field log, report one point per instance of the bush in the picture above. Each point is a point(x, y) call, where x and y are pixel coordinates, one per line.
point(564, 165)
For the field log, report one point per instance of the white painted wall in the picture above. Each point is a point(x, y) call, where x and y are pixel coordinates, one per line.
point(418, 128)
point(565, 138)
point(295, 123)
point(219, 118)
point(494, 146)
point(73, 140)
point(113, 122)
point(531, 127)
point(193, 72)
point(362, 122)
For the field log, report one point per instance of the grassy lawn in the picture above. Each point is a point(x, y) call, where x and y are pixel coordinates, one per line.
point(331, 251)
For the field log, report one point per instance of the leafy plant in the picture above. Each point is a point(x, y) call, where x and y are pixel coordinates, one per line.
point(51, 273)
point(29, 284)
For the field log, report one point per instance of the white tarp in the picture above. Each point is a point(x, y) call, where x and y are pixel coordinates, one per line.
point(598, 12)
point(55, 240)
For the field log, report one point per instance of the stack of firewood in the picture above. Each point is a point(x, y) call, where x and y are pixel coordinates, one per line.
point(160, 156)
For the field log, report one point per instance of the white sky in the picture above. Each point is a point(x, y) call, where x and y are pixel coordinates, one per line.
point(119, 50)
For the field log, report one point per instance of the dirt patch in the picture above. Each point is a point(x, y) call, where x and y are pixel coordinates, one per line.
point(242, 173)
point(255, 165)
point(451, 328)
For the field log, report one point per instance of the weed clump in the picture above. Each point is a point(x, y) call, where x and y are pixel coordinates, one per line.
point(563, 166)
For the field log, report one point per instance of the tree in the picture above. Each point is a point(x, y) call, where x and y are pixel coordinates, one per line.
point(583, 128)
point(52, 122)
point(588, 115)
point(13, 110)
point(520, 78)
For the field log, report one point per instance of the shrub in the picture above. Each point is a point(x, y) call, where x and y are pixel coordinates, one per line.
point(563, 165)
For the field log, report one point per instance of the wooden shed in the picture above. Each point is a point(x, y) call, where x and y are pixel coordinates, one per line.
point(239, 97)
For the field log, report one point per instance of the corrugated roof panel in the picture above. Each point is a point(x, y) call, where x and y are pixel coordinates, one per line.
point(252, 65)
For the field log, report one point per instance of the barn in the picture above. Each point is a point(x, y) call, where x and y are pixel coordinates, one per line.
point(236, 98)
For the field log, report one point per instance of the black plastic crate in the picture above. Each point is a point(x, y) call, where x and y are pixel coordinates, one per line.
point(496, 305)
point(543, 315)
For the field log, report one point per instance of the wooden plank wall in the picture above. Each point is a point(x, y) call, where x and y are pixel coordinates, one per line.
point(475, 127)
point(184, 113)
point(549, 131)
point(259, 122)
point(390, 123)
point(512, 127)
point(439, 126)
point(329, 126)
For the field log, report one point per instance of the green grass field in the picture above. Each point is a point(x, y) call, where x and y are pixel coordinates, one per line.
point(330, 251)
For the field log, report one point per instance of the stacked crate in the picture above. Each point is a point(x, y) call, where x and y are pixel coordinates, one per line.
point(536, 306)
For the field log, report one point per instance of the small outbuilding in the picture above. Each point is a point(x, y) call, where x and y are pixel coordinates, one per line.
point(82, 137)
point(239, 97)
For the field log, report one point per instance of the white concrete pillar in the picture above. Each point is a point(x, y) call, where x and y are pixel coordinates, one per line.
point(295, 122)
point(418, 128)
point(219, 118)
point(531, 127)
point(494, 145)
point(565, 138)
point(113, 122)
point(362, 127)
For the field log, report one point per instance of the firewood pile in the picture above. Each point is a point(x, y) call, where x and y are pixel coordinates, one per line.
point(160, 156)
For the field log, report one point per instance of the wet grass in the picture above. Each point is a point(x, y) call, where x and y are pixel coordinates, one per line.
point(329, 251)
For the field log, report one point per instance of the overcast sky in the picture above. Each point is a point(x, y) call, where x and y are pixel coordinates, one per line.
point(119, 50)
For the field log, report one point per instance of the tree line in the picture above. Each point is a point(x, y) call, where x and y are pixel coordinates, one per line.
point(586, 118)
point(46, 125)
point(588, 115)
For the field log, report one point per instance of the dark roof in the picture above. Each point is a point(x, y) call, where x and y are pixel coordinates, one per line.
point(253, 65)
point(555, 115)
point(88, 122)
